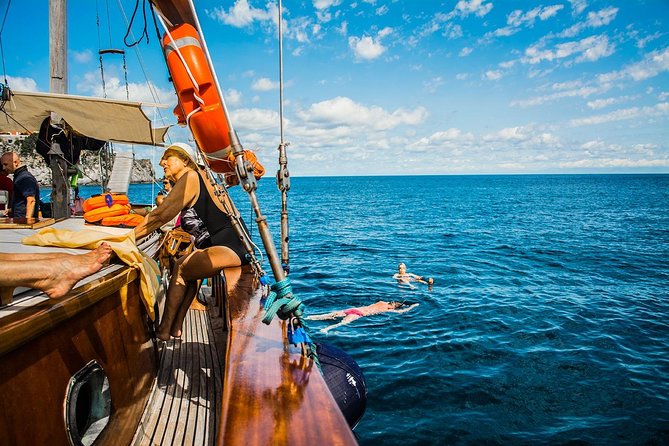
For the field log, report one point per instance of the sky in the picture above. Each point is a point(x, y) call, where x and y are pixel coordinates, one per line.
point(393, 87)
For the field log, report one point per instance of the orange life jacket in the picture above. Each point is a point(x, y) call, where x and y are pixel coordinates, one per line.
point(98, 214)
point(108, 199)
point(126, 220)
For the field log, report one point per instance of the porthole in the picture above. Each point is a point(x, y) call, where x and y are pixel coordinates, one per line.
point(87, 405)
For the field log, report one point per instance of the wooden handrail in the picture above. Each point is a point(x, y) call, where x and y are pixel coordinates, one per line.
point(271, 394)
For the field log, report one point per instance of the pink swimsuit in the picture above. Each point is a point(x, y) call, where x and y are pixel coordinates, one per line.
point(351, 311)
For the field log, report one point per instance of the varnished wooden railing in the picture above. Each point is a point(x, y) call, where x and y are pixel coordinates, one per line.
point(271, 394)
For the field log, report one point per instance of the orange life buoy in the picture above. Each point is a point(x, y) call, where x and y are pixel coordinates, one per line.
point(108, 199)
point(127, 220)
point(207, 119)
point(98, 214)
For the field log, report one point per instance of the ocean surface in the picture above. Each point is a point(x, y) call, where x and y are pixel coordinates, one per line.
point(548, 322)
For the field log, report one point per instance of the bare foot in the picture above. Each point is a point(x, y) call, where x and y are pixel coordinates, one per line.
point(73, 268)
point(161, 332)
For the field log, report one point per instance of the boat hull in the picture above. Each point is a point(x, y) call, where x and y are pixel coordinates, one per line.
point(43, 346)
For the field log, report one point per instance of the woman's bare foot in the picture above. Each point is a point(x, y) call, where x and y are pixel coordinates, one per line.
point(72, 269)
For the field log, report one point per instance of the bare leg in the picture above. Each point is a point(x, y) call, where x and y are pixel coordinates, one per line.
point(347, 320)
point(53, 273)
point(326, 316)
point(192, 287)
point(196, 265)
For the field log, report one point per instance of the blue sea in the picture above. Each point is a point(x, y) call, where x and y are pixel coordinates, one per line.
point(548, 322)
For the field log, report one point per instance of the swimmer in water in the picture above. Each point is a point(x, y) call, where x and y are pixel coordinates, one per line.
point(351, 314)
point(405, 278)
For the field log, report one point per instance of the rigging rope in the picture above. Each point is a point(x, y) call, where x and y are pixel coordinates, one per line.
point(132, 19)
point(2, 51)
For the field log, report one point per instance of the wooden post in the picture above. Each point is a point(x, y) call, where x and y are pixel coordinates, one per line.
point(58, 84)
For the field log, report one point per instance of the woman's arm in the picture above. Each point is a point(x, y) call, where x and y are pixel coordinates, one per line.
point(405, 309)
point(183, 195)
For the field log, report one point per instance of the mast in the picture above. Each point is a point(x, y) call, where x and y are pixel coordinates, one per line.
point(58, 84)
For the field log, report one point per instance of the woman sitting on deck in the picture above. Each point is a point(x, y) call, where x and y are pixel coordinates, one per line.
point(204, 217)
point(352, 314)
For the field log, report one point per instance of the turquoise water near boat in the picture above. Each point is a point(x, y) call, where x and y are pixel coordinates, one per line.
point(548, 321)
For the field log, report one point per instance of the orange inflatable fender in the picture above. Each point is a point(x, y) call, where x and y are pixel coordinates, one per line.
point(199, 103)
point(98, 214)
point(108, 199)
point(127, 220)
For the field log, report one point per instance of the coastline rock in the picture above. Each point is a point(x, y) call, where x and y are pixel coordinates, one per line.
point(142, 170)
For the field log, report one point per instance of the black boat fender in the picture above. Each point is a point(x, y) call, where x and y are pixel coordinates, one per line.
point(345, 380)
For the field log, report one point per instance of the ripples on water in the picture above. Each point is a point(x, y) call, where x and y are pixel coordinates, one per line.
point(547, 323)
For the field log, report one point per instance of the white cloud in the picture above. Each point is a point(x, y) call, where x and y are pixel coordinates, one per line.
point(433, 84)
point(232, 96)
point(492, 75)
point(478, 7)
point(614, 163)
point(653, 64)
point(601, 17)
point(342, 111)
point(601, 103)
point(264, 84)
point(578, 6)
point(382, 10)
point(661, 109)
point(594, 20)
point(241, 14)
point(582, 92)
point(115, 88)
point(82, 56)
point(466, 51)
point(325, 4)
point(517, 18)
point(369, 48)
point(22, 84)
point(255, 119)
point(452, 31)
point(588, 49)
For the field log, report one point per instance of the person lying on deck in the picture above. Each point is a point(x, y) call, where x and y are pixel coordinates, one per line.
point(352, 314)
point(216, 241)
point(403, 277)
point(53, 273)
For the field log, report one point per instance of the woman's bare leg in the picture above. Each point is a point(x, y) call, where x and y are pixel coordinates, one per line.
point(347, 320)
point(53, 273)
point(197, 265)
point(326, 316)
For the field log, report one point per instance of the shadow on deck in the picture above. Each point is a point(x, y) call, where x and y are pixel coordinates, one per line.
point(185, 405)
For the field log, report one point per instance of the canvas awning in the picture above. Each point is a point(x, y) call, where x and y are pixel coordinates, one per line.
point(103, 119)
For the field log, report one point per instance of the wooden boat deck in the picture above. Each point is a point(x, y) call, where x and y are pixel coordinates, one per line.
point(185, 405)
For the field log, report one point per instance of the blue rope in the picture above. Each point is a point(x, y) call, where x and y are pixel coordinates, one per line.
point(281, 302)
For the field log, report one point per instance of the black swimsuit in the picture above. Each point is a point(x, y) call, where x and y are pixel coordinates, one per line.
point(210, 226)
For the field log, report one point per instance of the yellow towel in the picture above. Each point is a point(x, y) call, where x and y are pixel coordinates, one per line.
point(123, 245)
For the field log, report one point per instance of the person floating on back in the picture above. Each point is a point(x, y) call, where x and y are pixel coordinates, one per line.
point(351, 314)
point(403, 277)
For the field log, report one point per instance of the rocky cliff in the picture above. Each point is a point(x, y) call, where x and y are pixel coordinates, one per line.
point(142, 171)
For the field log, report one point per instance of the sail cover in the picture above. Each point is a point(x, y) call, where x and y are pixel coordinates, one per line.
point(103, 119)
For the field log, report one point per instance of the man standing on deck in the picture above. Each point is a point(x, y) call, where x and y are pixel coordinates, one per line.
point(6, 187)
point(26, 189)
